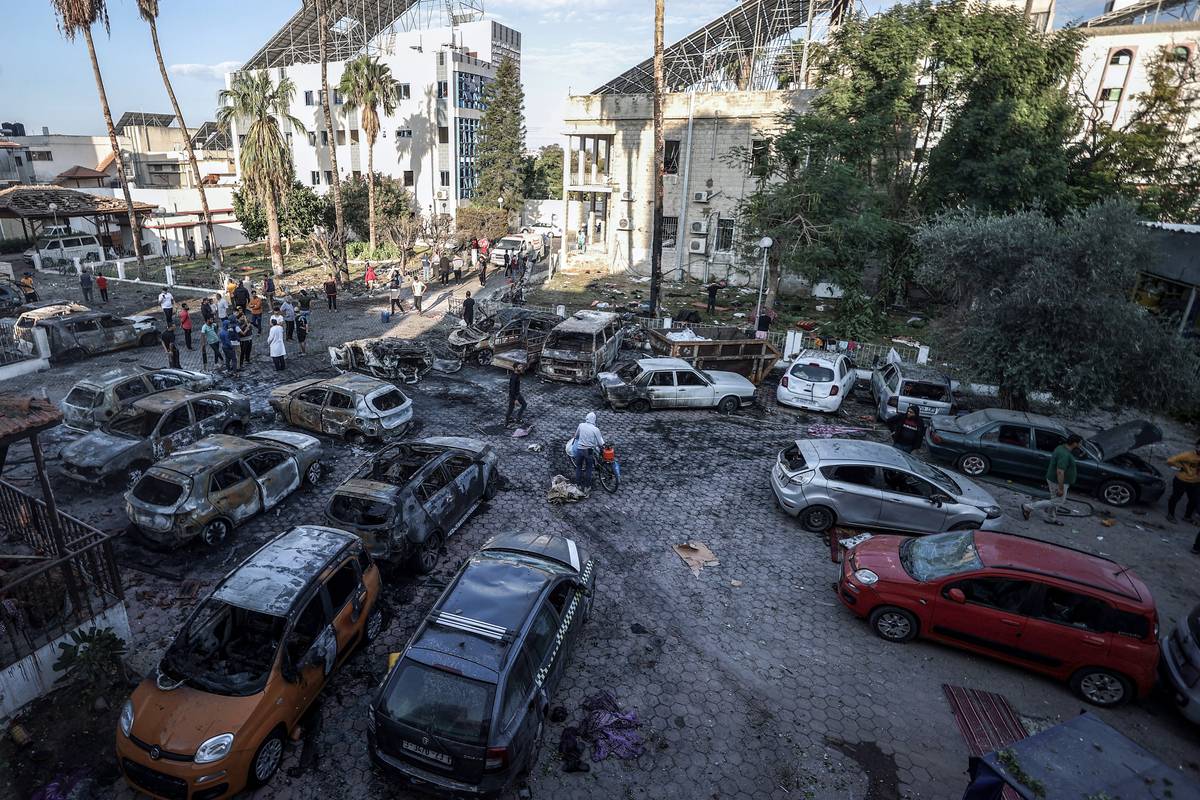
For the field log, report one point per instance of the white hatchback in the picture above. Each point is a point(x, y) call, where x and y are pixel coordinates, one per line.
point(817, 380)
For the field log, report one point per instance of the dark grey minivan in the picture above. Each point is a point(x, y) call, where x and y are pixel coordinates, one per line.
point(464, 709)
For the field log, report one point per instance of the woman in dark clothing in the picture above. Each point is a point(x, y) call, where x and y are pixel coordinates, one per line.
point(908, 431)
point(245, 339)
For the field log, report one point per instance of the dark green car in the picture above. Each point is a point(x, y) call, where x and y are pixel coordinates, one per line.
point(1018, 445)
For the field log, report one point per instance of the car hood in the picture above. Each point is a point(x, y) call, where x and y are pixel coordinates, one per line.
point(881, 555)
point(180, 720)
point(609, 380)
point(460, 337)
point(97, 449)
point(730, 380)
point(1125, 437)
point(971, 492)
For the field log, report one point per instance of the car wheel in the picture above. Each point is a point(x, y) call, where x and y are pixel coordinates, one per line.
point(640, 405)
point(728, 405)
point(894, 624)
point(1117, 493)
point(74, 354)
point(374, 625)
point(973, 464)
point(1101, 687)
point(484, 357)
point(817, 519)
point(425, 560)
point(216, 532)
point(492, 487)
point(136, 470)
point(312, 475)
point(148, 339)
point(266, 760)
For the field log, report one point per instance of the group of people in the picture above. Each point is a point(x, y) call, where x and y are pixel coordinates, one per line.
point(89, 283)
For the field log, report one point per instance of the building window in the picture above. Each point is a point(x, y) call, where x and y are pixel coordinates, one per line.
point(315, 178)
point(354, 136)
point(341, 138)
point(337, 97)
point(43, 155)
point(329, 177)
point(443, 134)
point(1121, 57)
point(445, 177)
point(724, 235)
point(1180, 54)
point(468, 171)
point(441, 58)
point(312, 138)
point(671, 157)
point(404, 91)
point(403, 133)
point(324, 138)
point(409, 179)
point(1110, 95)
point(760, 151)
point(470, 90)
point(938, 123)
point(670, 231)
point(18, 160)
point(443, 87)
point(310, 99)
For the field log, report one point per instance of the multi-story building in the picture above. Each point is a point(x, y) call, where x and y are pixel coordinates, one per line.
point(430, 142)
point(15, 166)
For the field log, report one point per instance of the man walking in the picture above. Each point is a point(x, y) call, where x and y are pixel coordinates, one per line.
point(1060, 476)
point(245, 339)
point(102, 285)
point(268, 288)
point(444, 268)
point(302, 331)
point(185, 325)
point(588, 443)
point(255, 307)
point(288, 311)
point(168, 343)
point(483, 265)
point(394, 293)
point(713, 287)
point(227, 338)
point(331, 293)
point(1185, 483)
point(241, 297)
point(278, 348)
point(468, 311)
point(418, 290)
point(515, 397)
point(167, 303)
point(85, 285)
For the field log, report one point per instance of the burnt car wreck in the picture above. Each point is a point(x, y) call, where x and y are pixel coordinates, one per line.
point(351, 406)
point(387, 358)
point(509, 337)
point(409, 498)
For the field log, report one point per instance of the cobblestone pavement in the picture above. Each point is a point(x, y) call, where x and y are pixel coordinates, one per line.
point(751, 680)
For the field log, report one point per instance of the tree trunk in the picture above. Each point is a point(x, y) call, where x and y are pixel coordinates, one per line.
point(773, 279)
point(274, 244)
point(656, 239)
point(371, 190)
point(134, 227)
point(218, 258)
point(339, 232)
point(1012, 399)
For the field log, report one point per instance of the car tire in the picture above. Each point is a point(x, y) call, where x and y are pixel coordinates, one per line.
point(973, 464)
point(484, 357)
point(136, 470)
point(216, 532)
point(817, 519)
point(1101, 687)
point(1117, 493)
point(640, 405)
point(266, 761)
point(148, 339)
point(425, 560)
point(728, 405)
point(375, 622)
point(312, 475)
point(894, 624)
point(492, 486)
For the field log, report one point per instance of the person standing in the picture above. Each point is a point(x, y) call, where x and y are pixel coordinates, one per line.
point(394, 293)
point(713, 287)
point(765, 317)
point(185, 325)
point(418, 290)
point(255, 307)
point(167, 303)
point(457, 264)
point(302, 331)
point(85, 285)
point(588, 444)
point(222, 309)
point(908, 431)
point(1060, 477)
point(468, 309)
point(370, 278)
point(331, 293)
point(288, 312)
point(304, 302)
point(1186, 483)
point(27, 288)
point(515, 397)
point(426, 267)
point(228, 336)
point(245, 339)
point(444, 268)
point(210, 341)
point(483, 265)
point(206, 311)
point(168, 343)
point(268, 287)
point(102, 285)
point(230, 286)
point(190, 245)
point(278, 348)
point(241, 297)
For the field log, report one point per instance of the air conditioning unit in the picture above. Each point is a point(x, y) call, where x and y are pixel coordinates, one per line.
point(624, 225)
point(627, 197)
point(700, 197)
point(700, 228)
point(696, 246)
point(442, 194)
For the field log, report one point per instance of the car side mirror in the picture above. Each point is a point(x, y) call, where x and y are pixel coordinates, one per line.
point(938, 499)
point(956, 595)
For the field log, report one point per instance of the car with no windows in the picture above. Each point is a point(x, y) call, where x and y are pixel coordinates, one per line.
point(674, 383)
point(352, 406)
point(75, 334)
point(94, 400)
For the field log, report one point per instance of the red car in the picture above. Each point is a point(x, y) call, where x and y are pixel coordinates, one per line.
point(1069, 614)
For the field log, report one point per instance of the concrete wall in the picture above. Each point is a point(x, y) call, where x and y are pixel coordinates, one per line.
point(65, 151)
point(183, 218)
point(1096, 73)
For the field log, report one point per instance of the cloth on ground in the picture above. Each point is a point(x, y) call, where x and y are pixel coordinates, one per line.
point(571, 750)
point(610, 730)
point(563, 491)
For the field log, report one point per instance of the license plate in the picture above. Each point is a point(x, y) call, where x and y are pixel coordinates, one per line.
point(425, 752)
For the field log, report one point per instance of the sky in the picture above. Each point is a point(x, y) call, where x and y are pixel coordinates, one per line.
point(568, 46)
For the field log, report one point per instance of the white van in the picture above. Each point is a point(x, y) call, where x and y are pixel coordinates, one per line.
point(83, 246)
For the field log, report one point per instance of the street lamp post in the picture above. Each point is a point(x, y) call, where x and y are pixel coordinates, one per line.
point(764, 244)
point(54, 210)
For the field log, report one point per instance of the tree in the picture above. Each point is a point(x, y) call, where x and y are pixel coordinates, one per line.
point(391, 200)
point(339, 230)
point(77, 17)
point(149, 11)
point(301, 211)
point(502, 139)
point(368, 85)
point(1045, 305)
point(481, 222)
point(656, 235)
point(542, 173)
point(249, 214)
point(265, 159)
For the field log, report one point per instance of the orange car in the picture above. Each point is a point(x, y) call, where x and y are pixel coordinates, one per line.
point(249, 661)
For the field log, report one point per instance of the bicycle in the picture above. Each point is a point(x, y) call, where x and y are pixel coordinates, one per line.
point(607, 469)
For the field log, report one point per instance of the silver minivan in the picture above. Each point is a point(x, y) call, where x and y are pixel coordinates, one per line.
point(895, 387)
point(83, 246)
point(827, 482)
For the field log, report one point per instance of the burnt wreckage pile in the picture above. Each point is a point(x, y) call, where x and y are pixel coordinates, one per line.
point(387, 358)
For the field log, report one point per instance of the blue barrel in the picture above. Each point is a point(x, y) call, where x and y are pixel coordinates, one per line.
point(385, 316)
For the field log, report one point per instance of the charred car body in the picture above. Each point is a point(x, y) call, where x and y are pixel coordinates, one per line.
point(511, 335)
point(74, 334)
point(92, 401)
point(673, 383)
point(581, 346)
point(385, 357)
point(409, 498)
point(151, 429)
point(12, 297)
point(250, 660)
point(207, 489)
point(351, 406)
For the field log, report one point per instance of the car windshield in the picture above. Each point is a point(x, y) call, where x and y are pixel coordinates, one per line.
point(158, 491)
point(569, 340)
point(84, 398)
point(360, 511)
point(136, 423)
point(509, 244)
point(630, 372)
point(812, 372)
point(930, 558)
point(388, 400)
point(440, 703)
point(932, 474)
point(224, 649)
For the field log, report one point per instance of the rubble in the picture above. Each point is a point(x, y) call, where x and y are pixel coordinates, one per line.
point(386, 358)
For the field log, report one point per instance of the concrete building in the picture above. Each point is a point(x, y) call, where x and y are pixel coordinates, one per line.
point(442, 65)
point(15, 165)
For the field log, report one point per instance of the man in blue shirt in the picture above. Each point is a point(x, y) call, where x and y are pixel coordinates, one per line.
point(227, 339)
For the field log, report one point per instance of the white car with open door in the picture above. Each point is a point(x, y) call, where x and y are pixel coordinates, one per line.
point(817, 380)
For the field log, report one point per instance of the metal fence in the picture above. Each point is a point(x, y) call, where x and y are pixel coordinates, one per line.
point(11, 350)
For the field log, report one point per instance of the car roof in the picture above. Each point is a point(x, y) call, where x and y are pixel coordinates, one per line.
point(663, 363)
point(211, 451)
point(810, 354)
point(165, 401)
point(61, 312)
point(111, 376)
point(586, 322)
point(1009, 551)
point(1019, 418)
point(921, 372)
point(357, 382)
point(273, 578)
point(850, 451)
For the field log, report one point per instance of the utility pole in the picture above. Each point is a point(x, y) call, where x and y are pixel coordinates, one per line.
point(656, 238)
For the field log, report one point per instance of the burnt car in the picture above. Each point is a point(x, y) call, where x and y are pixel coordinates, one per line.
point(674, 383)
point(1017, 444)
point(12, 297)
point(354, 407)
point(75, 334)
point(581, 346)
point(409, 498)
point(386, 357)
point(207, 489)
point(94, 400)
point(512, 335)
point(229, 693)
point(465, 708)
point(151, 429)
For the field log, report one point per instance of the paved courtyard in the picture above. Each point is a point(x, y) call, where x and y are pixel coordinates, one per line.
point(751, 680)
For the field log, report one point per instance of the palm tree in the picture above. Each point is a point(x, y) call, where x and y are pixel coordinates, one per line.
point(265, 160)
point(77, 17)
point(338, 211)
point(149, 11)
point(368, 85)
point(656, 238)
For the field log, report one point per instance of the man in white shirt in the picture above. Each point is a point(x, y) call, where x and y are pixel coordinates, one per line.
point(278, 348)
point(222, 307)
point(288, 312)
point(167, 303)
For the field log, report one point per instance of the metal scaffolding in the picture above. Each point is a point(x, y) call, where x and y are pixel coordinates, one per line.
point(1149, 12)
point(356, 27)
point(757, 46)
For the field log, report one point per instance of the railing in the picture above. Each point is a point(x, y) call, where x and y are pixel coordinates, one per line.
point(11, 350)
point(28, 517)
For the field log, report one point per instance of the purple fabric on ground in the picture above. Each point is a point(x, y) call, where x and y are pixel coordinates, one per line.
point(610, 730)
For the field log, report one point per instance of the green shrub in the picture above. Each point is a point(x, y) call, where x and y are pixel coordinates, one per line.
point(14, 245)
point(93, 657)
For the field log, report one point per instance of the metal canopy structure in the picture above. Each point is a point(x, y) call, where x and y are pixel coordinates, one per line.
point(211, 136)
point(757, 46)
point(139, 118)
point(1149, 12)
point(356, 26)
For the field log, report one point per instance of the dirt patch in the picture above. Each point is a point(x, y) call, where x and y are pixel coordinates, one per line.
point(882, 773)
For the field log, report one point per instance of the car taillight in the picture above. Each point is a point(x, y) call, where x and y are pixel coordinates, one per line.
point(497, 758)
point(783, 382)
point(893, 402)
point(935, 437)
point(833, 390)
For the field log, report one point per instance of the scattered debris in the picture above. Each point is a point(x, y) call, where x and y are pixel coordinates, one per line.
point(387, 358)
point(610, 730)
point(696, 555)
point(639, 629)
point(824, 431)
point(735, 584)
point(521, 433)
point(1108, 522)
point(563, 491)
point(686, 335)
point(534, 448)
point(571, 751)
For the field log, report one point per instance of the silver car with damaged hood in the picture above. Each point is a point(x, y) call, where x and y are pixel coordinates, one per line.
point(352, 406)
point(93, 401)
point(827, 482)
point(674, 383)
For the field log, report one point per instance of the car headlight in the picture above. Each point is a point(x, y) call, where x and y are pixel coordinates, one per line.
point(127, 717)
point(993, 512)
point(866, 577)
point(214, 749)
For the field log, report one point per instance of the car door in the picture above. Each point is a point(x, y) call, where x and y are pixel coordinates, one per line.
point(660, 386)
point(854, 490)
point(176, 429)
point(910, 503)
point(347, 599)
point(129, 390)
point(118, 333)
point(520, 711)
point(306, 407)
point(276, 473)
point(692, 390)
point(233, 492)
point(989, 615)
point(439, 497)
point(338, 415)
point(846, 375)
point(467, 476)
point(211, 415)
point(1007, 447)
point(88, 335)
point(1066, 629)
point(309, 651)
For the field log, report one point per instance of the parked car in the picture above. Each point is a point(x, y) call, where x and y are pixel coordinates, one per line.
point(94, 400)
point(510, 332)
point(1179, 665)
point(209, 488)
point(817, 380)
point(12, 297)
point(465, 708)
point(74, 332)
point(548, 228)
point(1017, 444)
point(352, 406)
point(674, 383)
point(152, 429)
point(581, 346)
point(1072, 615)
point(827, 482)
point(228, 694)
point(67, 247)
point(406, 500)
point(388, 358)
point(895, 387)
